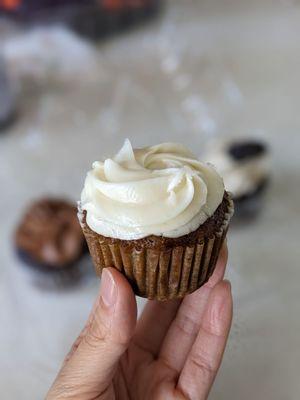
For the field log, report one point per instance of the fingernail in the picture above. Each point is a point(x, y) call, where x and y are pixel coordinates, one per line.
point(108, 290)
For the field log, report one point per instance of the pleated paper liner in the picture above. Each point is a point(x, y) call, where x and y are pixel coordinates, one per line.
point(160, 273)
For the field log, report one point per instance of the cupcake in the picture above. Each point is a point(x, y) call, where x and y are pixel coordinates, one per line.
point(158, 215)
point(244, 165)
point(49, 239)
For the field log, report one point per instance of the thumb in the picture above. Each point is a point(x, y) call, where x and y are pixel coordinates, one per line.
point(89, 368)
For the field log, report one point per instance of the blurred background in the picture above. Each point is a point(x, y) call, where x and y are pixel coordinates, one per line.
point(75, 81)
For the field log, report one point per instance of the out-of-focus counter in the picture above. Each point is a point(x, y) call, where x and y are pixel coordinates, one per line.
point(203, 69)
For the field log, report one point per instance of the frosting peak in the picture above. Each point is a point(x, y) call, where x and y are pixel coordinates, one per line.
point(157, 190)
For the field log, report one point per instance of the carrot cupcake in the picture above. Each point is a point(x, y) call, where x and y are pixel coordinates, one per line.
point(158, 215)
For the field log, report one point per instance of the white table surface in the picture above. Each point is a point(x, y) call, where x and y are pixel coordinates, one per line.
point(206, 68)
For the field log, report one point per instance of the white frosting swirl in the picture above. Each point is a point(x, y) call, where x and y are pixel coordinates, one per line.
point(159, 190)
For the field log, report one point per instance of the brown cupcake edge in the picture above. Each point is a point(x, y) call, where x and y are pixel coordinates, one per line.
point(163, 268)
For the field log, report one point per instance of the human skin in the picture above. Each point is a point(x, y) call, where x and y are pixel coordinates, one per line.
point(173, 352)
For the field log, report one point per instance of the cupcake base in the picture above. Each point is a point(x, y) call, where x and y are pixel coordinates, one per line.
point(248, 206)
point(163, 268)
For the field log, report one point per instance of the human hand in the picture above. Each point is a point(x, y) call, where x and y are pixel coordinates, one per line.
point(172, 353)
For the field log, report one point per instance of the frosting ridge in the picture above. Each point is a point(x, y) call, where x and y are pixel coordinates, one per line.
point(157, 190)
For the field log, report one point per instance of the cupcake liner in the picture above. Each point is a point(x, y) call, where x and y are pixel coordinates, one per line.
point(160, 273)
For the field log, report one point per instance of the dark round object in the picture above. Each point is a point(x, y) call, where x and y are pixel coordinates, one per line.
point(242, 151)
point(91, 18)
point(49, 235)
